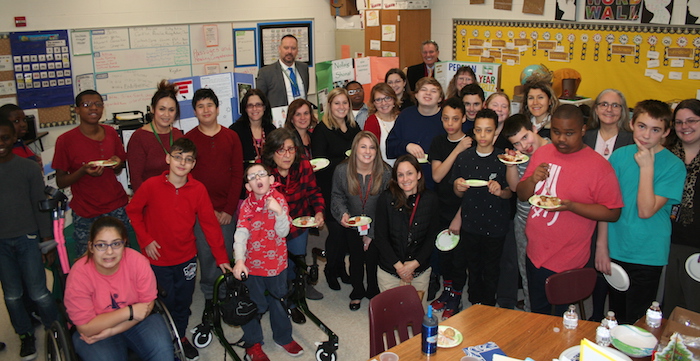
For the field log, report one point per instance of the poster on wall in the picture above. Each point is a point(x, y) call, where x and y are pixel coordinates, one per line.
point(42, 66)
point(657, 12)
point(693, 14)
point(617, 10)
point(488, 75)
point(566, 10)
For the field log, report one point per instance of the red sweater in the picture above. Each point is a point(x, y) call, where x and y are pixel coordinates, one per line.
point(160, 212)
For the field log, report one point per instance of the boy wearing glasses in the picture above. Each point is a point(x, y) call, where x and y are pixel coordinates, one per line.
point(163, 213)
point(260, 251)
point(651, 180)
point(96, 190)
point(220, 159)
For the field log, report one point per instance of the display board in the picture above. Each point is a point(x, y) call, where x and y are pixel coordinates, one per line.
point(642, 61)
point(271, 34)
point(488, 75)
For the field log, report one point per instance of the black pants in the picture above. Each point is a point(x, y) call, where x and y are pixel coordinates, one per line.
point(361, 261)
point(482, 257)
point(631, 305)
point(536, 278)
point(336, 248)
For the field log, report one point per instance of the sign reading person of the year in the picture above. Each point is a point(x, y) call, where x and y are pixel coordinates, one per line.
point(488, 75)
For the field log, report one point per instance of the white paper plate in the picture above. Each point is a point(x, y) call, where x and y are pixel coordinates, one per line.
point(103, 163)
point(618, 278)
point(359, 221)
point(573, 353)
point(300, 222)
point(445, 342)
point(319, 163)
point(535, 199)
point(446, 241)
point(348, 152)
point(524, 159)
point(423, 160)
point(476, 182)
point(693, 267)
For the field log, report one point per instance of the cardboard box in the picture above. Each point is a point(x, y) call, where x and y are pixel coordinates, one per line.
point(685, 322)
point(344, 8)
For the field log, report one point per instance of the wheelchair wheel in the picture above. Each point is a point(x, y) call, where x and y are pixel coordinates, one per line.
point(160, 308)
point(324, 355)
point(59, 346)
point(202, 336)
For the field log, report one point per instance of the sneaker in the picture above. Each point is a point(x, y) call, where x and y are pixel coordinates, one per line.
point(449, 312)
point(441, 301)
point(452, 306)
point(312, 293)
point(28, 350)
point(293, 349)
point(255, 353)
point(190, 352)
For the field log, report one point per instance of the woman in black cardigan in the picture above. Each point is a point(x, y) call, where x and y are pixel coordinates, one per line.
point(407, 223)
point(253, 125)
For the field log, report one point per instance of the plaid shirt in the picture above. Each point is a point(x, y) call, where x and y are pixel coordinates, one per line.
point(301, 192)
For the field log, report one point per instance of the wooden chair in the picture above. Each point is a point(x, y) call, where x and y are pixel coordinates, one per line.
point(393, 312)
point(570, 287)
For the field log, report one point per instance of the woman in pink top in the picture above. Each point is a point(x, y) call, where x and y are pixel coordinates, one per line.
point(109, 296)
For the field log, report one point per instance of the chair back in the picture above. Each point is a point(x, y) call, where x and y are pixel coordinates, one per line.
point(393, 312)
point(570, 286)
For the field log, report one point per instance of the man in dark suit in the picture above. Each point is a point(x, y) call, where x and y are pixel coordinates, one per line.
point(286, 79)
point(430, 52)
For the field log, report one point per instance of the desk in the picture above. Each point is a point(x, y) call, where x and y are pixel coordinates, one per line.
point(519, 334)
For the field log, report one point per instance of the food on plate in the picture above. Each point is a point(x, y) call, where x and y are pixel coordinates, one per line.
point(352, 220)
point(304, 220)
point(513, 156)
point(546, 201)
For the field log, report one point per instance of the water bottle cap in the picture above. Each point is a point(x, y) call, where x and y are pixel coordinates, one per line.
point(655, 304)
point(430, 311)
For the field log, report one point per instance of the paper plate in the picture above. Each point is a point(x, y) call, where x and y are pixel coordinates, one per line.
point(348, 152)
point(358, 221)
point(524, 159)
point(618, 278)
point(447, 342)
point(446, 241)
point(423, 160)
point(319, 163)
point(476, 182)
point(103, 163)
point(534, 200)
point(573, 353)
point(305, 222)
point(693, 267)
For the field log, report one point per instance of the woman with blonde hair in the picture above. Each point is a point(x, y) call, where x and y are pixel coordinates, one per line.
point(301, 119)
point(383, 109)
point(333, 137)
point(357, 184)
point(500, 103)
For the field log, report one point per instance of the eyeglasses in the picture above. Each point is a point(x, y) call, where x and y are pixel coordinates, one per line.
point(354, 91)
point(256, 105)
point(179, 158)
point(89, 104)
point(253, 176)
point(290, 150)
point(605, 105)
point(382, 100)
point(101, 247)
point(688, 122)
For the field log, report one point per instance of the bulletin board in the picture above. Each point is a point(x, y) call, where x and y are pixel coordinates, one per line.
point(271, 34)
point(642, 61)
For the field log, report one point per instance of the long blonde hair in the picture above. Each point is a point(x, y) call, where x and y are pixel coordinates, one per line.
point(378, 166)
point(328, 119)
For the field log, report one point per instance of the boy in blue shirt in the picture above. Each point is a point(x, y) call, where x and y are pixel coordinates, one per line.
point(651, 181)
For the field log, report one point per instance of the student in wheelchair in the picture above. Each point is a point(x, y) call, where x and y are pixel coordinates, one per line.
point(109, 295)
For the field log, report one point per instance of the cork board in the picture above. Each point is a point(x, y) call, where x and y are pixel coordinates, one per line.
point(56, 116)
point(6, 75)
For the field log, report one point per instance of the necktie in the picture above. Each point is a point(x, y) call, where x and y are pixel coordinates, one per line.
point(295, 85)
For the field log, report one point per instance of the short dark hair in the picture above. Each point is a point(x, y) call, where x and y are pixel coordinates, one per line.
point(79, 97)
point(267, 113)
point(7, 123)
point(455, 103)
point(245, 172)
point(569, 111)
point(656, 109)
point(352, 82)
point(489, 114)
point(100, 224)
point(8, 109)
point(274, 141)
point(289, 36)
point(514, 123)
point(472, 89)
point(430, 42)
point(184, 145)
point(204, 93)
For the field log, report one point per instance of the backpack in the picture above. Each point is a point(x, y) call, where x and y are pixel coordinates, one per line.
point(237, 308)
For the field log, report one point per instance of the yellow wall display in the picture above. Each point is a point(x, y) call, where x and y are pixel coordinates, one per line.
point(642, 61)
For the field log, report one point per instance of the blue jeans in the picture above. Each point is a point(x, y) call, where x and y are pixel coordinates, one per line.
point(297, 247)
point(178, 284)
point(81, 228)
point(21, 270)
point(279, 320)
point(149, 339)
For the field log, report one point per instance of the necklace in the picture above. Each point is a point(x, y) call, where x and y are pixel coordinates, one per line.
point(456, 140)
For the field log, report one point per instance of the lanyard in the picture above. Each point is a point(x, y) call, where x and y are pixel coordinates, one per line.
point(160, 141)
point(365, 197)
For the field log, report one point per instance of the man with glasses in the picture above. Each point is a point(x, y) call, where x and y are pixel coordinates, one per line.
point(286, 79)
point(357, 98)
point(163, 213)
point(88, 159)
point(430, 51)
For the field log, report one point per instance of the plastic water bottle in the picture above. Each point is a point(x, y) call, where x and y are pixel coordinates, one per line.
point(602, 333)
point(654, 315)
point(429, 333)
point(610, 320)
point(571, 318)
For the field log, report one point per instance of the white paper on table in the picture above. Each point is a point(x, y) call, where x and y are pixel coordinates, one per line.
point(590, 351)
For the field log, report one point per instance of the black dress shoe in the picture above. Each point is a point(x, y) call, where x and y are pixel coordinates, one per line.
point(297, 316)
point(355, 306)
point(332, 281)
